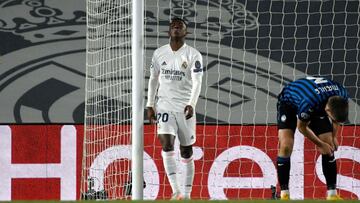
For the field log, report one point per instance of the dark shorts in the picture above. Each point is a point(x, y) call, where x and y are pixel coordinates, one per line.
point(286, 119)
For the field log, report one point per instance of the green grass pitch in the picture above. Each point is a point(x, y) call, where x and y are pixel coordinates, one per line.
point(197, 201)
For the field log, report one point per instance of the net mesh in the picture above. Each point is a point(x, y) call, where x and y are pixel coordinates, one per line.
point(106, 165)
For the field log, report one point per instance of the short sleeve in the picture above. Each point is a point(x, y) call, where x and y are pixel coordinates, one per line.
point(304, 111)
point(344, 93)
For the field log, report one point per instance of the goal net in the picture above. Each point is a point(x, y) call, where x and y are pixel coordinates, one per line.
point(251, 49)
point(106, 158)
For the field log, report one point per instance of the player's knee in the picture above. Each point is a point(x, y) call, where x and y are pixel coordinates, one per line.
point(186, 151)
point(167, 142)
point(168, 148)
point(286, 146)
point(286, 150)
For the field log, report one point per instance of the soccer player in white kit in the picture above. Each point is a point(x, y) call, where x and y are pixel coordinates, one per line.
point(175, 78)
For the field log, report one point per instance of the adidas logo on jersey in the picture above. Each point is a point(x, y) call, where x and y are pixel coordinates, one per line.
point(164, 63)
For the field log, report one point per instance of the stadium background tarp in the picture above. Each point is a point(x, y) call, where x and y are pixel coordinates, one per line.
point(44, 162)
point(43, 55)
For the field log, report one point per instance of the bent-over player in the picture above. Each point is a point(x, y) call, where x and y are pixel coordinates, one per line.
point(315, 106)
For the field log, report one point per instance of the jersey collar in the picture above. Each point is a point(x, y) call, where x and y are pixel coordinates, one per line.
point(182, 47)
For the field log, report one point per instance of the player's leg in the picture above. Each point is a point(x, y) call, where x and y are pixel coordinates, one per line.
point(286, 143)
point(166, 133)
point(189, 169)
point(187, 137)
point(329, 168)
point(323, 128)
point(286, 119)
point(169, 160)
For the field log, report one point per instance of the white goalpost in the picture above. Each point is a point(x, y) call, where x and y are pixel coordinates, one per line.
point(137, 144)
point(251, 49)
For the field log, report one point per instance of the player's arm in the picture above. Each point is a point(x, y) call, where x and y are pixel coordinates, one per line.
point(152, 89)
point(196, 77)
point(303, 127)
point(335, 132)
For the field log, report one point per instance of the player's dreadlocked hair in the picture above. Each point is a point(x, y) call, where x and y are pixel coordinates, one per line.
point(339, 108)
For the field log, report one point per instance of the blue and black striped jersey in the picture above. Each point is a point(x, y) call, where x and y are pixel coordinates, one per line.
point(310, 95)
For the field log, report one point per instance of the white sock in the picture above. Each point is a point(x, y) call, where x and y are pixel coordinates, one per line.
point(331, 192)
point(170, 169)
point(284, 192)
point(189, 169)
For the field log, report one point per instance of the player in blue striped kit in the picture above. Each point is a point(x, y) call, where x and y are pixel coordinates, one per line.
point(316, 106)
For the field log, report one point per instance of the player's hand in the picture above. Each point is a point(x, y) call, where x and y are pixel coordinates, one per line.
point(189, 111)
point(325, 148)
point(151, 115)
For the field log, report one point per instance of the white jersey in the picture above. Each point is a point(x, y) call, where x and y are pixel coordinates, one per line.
point(177, 75)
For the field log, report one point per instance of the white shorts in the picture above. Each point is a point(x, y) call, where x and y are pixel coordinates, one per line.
point(175, 123)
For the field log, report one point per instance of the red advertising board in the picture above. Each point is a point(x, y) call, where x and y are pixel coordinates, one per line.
point(231, 162)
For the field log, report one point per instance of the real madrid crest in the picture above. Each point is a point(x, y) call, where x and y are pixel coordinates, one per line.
point(184, 65)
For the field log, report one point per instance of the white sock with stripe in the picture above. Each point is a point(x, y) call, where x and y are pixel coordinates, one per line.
point(170, 169)
point(189, 169)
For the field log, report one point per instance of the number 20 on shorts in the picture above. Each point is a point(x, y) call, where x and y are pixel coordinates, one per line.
point(163, 117)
